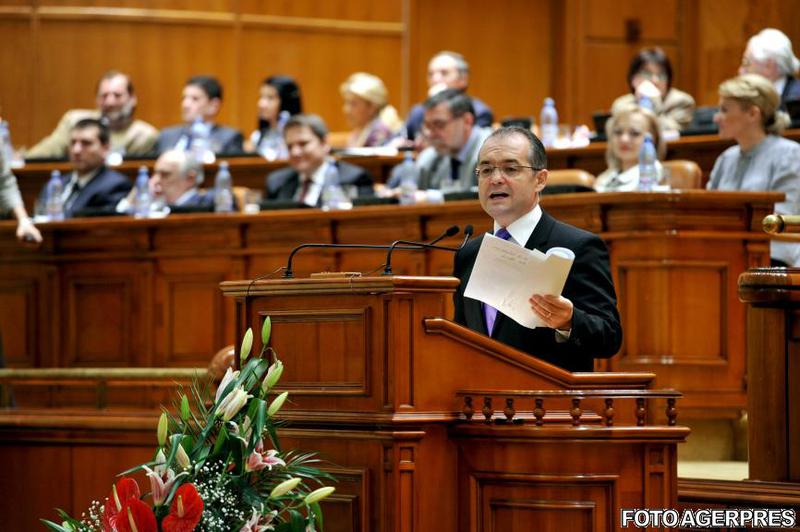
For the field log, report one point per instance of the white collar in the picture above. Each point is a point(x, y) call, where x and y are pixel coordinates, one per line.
point(779, 85)
point(522, 228)
point(83, 179)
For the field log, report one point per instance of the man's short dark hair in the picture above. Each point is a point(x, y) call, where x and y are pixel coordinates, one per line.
point(312, 122)
point(111, 74)
point(537, 157)
point(102, 130)
point(208, 84)
point(458, 102)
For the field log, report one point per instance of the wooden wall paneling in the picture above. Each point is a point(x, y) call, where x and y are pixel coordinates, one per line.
point(27, 294)
point(320, 60)
point(18, 85)
point(614, 19)
point(192, 320)
point(105, 307)
point(509, 49)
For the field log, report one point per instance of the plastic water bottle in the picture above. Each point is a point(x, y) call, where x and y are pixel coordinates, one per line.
point(646, 103)
point(648, 174)
point(141, 197)
point(409, 177)
point(548, 123)
point(333, 197)
point(200, 148)
point(54, 203)
point(223, 189)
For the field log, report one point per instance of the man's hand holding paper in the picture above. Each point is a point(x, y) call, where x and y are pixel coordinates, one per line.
point(530, 282)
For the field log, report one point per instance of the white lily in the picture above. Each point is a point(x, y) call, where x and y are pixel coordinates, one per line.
point(229, 376)
point(232, 403)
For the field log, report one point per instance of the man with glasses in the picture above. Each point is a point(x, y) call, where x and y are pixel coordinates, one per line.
point(583, 322)
point(448, 164)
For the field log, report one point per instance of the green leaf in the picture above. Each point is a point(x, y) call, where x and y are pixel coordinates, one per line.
point(317, 510)
point(266, 330)
point(55, 526)
point(222, 438)
point(297, 521)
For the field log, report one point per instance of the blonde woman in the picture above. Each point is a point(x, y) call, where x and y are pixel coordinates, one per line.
point(761, 160)
point(366, 107)
point(626, 130)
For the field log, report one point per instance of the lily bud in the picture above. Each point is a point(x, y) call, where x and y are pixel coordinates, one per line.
point(319, 494)
point(273, 376)
point(266, 329)
point(277, 404)
point(182, 457)
point(284, 487)
point(232, 403)
point(185, 412)
point(247, 344)
point(163, 428)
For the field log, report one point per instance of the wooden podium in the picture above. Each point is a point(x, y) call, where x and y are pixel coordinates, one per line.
point(430, 426)
point(773, 369)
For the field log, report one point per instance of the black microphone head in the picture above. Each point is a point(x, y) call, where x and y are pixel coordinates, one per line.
point(452, 230)
point(468, 230)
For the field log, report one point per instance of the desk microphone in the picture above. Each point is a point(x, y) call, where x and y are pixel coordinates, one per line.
point(422, 245)
point(288, 273)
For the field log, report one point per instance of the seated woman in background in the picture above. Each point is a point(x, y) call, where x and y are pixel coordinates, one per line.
point(278, 99)
point(366, 107)
point(626, 130)
point(761, 160)
point(650, 80)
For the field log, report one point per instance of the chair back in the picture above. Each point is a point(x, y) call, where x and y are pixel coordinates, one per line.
point(683, 174)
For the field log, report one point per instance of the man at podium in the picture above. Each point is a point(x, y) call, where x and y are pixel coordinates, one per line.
point(583, 322)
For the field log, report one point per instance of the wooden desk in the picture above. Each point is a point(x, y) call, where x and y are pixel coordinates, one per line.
point(125, 292)
point(251, 171)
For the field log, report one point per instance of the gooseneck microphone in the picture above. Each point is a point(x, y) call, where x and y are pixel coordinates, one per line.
point(422, 245)
point(288, 273)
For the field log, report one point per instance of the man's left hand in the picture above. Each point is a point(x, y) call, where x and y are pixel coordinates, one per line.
point(554, 311)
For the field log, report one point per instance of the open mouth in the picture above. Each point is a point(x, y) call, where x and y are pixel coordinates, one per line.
point(498, 195)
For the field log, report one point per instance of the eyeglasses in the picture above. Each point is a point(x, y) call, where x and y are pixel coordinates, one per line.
point(436, 125)
point(509, 171)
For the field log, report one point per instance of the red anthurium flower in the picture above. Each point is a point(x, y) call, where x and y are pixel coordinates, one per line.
point(185, 511)
point(121, 492)
point(136, 516)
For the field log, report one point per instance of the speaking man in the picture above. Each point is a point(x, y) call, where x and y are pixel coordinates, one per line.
point(583, 322)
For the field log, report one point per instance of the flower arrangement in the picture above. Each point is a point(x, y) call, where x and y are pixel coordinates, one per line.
point(219, 465)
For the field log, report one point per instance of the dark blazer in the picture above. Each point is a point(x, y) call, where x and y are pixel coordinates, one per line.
point(282, 184)
point(223, 139)
point(791, 91)
point(103, 192)
point(596, 330)
point(200, 199)
point(483, 117)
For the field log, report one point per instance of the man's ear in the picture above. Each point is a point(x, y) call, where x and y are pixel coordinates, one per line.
point(541, 179)
point(215, 104)
point(469, 119)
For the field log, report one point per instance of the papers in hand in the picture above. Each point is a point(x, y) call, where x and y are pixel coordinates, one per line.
point(506, 275)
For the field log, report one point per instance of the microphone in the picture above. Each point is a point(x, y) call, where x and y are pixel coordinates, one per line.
point(289, 274)
point(452, 230)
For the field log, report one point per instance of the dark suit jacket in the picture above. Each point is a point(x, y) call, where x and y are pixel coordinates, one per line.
point(103, 192)
point(596, 330)
point(282, 184)
point(223, 139)
point(483, 117)
point(199, 199)
point(791, 91)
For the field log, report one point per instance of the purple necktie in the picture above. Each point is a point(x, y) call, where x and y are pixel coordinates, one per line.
point(489, 312)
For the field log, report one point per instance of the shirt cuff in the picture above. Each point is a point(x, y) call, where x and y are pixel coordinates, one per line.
point(562, 335)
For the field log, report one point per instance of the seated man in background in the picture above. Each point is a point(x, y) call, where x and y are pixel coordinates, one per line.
point(200, 103)
point(447, 70)
point(582, 323)
point(174, 183)
point(448, 164)
point(769, 54)
point(311, 167)
point(116, 103)
point(91, 186)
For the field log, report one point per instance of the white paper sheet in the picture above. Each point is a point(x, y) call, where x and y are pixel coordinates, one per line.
point(506, 275)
